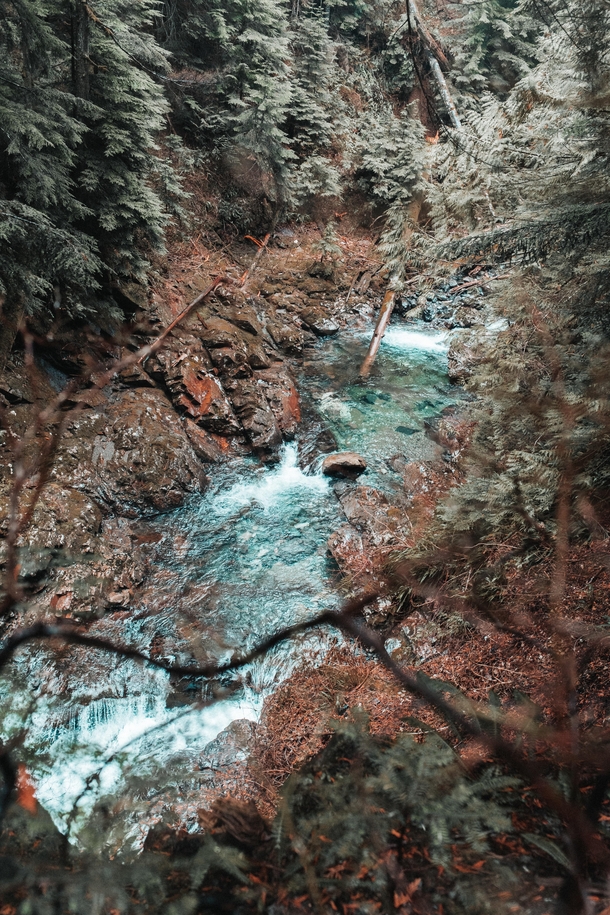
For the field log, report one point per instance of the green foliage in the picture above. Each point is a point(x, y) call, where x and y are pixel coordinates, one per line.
point(79, 121)
point(346, 828)
point(497, 47)
point(328, 246)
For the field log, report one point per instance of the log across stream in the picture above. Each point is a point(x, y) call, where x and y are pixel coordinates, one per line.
point(228, 568)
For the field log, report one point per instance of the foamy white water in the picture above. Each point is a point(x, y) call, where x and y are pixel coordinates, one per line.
point(109, 733)
point(284, 480)
point(405, 338)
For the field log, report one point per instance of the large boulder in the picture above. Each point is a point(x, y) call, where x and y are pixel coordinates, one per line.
point(131, 455)
point(343, 464)
point(254, 413)
point(144, 456)
point(282, 396)
point(319, 321)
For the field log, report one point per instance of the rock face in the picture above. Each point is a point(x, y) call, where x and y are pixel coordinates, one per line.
point(145, 457)
point(130, 455)
point(254, 413)
point(282, 396)
point(344, 464)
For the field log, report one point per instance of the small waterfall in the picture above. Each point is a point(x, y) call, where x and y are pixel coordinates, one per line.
point(406, 338)
point(109, 734)
point(274, 486)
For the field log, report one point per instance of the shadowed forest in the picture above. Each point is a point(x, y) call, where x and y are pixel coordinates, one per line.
point(304, 457)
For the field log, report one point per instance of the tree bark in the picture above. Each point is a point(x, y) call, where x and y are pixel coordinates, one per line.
point(385, 313)
point(11, 316)
point(434, 58)
point(80, 49)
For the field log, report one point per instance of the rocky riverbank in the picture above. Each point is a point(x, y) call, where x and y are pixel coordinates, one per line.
point(223, 386)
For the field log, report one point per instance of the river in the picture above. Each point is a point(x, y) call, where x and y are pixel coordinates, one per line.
point(229, 568)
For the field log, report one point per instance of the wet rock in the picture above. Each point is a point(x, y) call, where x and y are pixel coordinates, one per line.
point(134, 375)
point(343, 464)
point(347, 548)
point(369, 398)
point(209, 448)
point(15, 389)
point(152, 464)
point(254, 413)
point(205, 400)
point(287, 336)
point(428, 313)
point(319, 321)
point(216, 332)
point(244, 317)
point(282, 396)
point(230, 746)
point(133, 455)
point(231, 360)
point(63, 519)
point(257, 357)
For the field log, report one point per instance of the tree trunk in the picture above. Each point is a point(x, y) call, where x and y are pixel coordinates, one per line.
point(434, 58)
point(385, 313)
point(80, 49)
point(11, 316)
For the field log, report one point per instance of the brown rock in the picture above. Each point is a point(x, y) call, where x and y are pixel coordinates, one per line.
point(204, 399)
point(366, 509)
point(282, 396)
point(231, 360)
point(343, 464)
point(319, 320)
point(217, 332)
point(257, 357)
point(347, 549)
point(255, 414)
point(187, 370)
point(244, 317)
point(63, 519)
point(144, 457)
point(287, 336)
point(314, 286)
point(209, 448)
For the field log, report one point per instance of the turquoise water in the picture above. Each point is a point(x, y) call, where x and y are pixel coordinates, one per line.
point(232, 566)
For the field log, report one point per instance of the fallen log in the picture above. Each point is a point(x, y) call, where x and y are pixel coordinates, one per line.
point(482, 282)
point(385, 313)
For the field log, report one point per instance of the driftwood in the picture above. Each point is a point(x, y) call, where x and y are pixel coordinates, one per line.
point(385, 313)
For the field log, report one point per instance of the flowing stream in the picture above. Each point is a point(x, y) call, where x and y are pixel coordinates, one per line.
point(232, 566)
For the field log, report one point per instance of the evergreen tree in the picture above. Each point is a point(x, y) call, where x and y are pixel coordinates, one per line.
point(117, 163)
point(80, 111)
point(40, 244)
point(498, 46)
